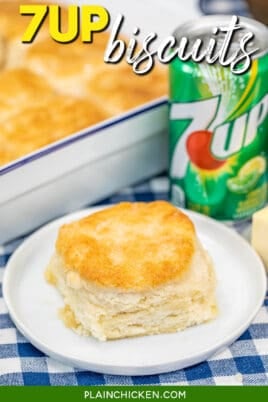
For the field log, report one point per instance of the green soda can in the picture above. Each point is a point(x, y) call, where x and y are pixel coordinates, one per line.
point(219, 130)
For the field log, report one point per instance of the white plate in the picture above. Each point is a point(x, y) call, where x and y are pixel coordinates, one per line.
point(33, 306)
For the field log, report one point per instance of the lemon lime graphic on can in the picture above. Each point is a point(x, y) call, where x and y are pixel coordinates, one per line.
point(219, 132)
point(248, 176)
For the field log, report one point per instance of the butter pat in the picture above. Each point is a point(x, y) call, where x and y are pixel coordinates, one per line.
point(259, 237)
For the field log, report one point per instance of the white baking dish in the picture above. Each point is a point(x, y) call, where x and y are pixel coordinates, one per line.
point(99, 160)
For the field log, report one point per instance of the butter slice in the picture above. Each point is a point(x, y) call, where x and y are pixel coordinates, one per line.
point(259, 236)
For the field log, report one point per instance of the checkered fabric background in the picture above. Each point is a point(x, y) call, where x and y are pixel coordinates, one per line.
point(244, 362)
point(235, 7)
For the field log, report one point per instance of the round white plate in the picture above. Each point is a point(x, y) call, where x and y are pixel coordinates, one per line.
point(33, 306)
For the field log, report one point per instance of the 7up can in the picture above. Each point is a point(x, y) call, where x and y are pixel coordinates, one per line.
point(219, 130)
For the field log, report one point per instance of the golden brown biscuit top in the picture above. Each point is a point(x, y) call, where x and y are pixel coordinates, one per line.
point(58, 58)
point(21, 86)
point(2, 51)
point(35, 78)
point(130, 246)
point(11, 23)
point(120, 89)
point(37, 126)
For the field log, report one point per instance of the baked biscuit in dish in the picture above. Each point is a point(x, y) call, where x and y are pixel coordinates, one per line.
point(12, 27)
point(39, 125)
point(110, 82)
point(2, 52)
point(67, 66)
point(32, 75)
point(78, 69)
point(25, 88)
point(7, 151)
point(12, 24)
point(133, 269)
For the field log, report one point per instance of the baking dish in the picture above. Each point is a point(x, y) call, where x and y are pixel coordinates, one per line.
point(99, 160)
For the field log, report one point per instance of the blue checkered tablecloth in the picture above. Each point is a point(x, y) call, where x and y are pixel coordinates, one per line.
point(235, 7)
point(244, 362)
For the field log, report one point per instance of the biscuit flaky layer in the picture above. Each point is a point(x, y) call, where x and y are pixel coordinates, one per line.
point(131, 246)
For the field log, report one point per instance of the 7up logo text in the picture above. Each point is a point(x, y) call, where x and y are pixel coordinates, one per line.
point(210, 139)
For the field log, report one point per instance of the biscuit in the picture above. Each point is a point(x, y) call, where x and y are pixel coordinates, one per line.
point(44, 72)
point(64, 66)
point(25, 88)
point(37, 126)
point(12, 27)
point(133, 269)
point(117, 88)
point(2, 52)
point(12, 24)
